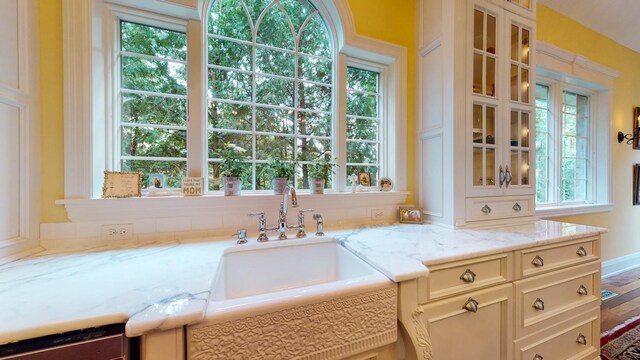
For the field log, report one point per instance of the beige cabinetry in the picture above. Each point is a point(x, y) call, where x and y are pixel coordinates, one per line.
point(477, 127)
point(540, 302)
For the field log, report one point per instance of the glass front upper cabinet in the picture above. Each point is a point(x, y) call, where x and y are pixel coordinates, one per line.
point(484, 53)
point(520, 65)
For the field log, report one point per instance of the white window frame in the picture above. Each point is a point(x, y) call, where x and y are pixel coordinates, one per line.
point(85, 156)
point(563, 70)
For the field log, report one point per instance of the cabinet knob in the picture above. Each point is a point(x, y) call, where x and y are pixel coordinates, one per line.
point(538, 304)
point(517, 207)
point(582, 290)
point(468, 276)
point(486, 209)
point(581, 252)
point(538, 261)
point(581, 339)
point(538, 357)
point(471, 305)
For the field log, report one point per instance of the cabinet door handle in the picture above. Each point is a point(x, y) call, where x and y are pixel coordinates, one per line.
point(582, 290)
point(507, 175)
point(468, 276)
point(517, 207)
point(486, 210)
point(538, 304)
point(581, 339)
point(538, 261)
point(502, 177)
point(581, 252)
point(471, 305)
point(538, 357)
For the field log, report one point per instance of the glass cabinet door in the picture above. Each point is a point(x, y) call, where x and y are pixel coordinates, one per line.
point(484, 145)
point(484, 53)
point(518, 172)
point(519, 74)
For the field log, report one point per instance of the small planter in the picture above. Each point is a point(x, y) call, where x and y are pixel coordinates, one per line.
point(278, 184)
point(232, 185)
point(317, 185)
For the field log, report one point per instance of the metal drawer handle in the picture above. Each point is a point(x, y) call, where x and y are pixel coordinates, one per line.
point(581, 252)
point(581, 339)
point(471, 305)
point(538, 261)
point(468, 276)
point(582, 290)
point(517, 207)
point(486, 209)
point(538, 357)
point(538, 304)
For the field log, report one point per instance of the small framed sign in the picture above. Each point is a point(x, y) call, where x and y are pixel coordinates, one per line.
point(192, 186)
point(411, 215)
point(122, 184)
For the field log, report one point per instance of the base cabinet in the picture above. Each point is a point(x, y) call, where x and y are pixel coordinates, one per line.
point(476, 326)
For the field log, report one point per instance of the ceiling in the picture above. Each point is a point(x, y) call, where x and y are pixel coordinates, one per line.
point(616, 19)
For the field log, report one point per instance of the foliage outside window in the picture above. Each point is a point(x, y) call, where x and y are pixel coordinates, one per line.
point(153, 98)
point(562, 137)
point(363, 122)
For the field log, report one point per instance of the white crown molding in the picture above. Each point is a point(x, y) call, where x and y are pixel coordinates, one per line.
point(572, 59)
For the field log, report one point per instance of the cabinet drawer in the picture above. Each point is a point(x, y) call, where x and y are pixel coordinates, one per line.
point(543, 259)
point(499, 208)
point(461, 276)
point(577, 338)
point(547, 299)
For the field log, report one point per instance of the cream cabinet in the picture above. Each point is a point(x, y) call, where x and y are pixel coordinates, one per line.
point(539, 302)
point(476, 110)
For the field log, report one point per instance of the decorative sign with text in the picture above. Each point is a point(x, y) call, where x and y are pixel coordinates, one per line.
point(122, 184)
point(192, 186)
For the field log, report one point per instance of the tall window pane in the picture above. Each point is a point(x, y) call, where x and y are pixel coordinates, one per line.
point(363, 122)
point(542, 144)
point(153, 111)
point(270, 86)
point(575, 144)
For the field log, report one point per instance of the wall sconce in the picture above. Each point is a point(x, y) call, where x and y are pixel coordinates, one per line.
point(634, 137)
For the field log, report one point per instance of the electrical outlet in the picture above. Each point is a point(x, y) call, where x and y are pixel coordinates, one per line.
point(117, 232)
point(378, 214)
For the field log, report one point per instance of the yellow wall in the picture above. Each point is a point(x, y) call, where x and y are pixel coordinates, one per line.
point(51, 110)
point(388, 20)
point(561, 31)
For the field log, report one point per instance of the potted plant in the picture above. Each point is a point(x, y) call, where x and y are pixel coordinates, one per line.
point(232, 168)
point(280, 172)
point(319, 171)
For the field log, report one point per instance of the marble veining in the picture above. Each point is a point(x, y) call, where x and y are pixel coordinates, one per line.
point(165, 285)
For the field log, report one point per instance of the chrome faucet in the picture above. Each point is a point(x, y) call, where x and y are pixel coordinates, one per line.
point(319, 224)
point(282, 226)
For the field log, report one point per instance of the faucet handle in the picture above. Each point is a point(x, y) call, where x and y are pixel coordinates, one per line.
point(242, 236)
point(302, 211)
point(260, 213)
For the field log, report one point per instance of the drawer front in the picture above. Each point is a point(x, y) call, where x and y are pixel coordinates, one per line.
point(547, 299)
point(458, 277)
point(499, 208)
point(543, 259)
point(576, 339)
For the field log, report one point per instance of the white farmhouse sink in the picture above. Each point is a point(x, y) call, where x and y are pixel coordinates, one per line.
point(285, 273)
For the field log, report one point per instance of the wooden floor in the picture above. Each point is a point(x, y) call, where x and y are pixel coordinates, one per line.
point(617, 310)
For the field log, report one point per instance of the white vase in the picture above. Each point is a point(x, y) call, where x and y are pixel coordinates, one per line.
point(278, 184)
point(317, 185)
point(232, 185)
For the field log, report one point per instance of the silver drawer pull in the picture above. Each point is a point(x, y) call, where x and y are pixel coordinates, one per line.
point(538, 261)
point(538, 357)
point(468, 276)
point(486, 209)
point(517, 207)
point(538, 304)
point(581, 339)
point(471, 305)
point(581, 252)
point(582, 290)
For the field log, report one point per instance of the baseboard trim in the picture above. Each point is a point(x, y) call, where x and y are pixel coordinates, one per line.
point(620, 264)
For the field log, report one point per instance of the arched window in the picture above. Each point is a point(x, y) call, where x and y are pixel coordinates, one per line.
point(270, 86)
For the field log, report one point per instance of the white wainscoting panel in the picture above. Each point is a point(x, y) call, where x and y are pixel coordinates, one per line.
point(10, 170)
point(9, 74)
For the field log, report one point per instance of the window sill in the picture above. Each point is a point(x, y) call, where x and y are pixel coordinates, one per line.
point(125, 209)
point(582, 209)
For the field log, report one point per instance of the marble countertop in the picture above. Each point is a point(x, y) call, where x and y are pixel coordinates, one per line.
point(158, 286)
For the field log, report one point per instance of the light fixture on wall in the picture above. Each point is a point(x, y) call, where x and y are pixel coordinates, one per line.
point(634, 137)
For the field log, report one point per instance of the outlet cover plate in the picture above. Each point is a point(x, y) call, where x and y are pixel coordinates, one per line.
point(116, 232)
